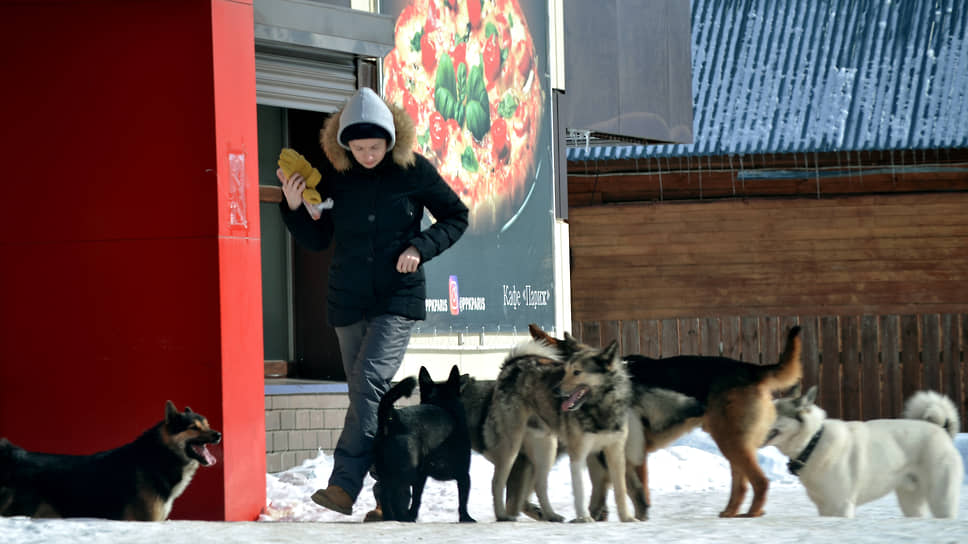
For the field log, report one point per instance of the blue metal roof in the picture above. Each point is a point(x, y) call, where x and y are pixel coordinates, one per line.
point(782, 76)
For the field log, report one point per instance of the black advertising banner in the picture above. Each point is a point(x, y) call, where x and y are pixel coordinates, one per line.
point(474, 76)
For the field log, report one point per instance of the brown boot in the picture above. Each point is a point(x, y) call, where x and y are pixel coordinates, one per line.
point(374, 515)
point(334, 498)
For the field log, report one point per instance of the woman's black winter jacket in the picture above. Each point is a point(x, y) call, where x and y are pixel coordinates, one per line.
point(376, 215)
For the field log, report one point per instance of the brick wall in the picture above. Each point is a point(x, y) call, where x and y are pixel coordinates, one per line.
point(298, 426)
point(301, 424)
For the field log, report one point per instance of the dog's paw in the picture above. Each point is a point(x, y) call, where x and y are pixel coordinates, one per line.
point(467, 519)
point(505, 518)
point(583, 519)
point(533, 511)
point(554, 518)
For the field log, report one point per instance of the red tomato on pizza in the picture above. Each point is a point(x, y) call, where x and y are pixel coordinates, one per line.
point(466, 71)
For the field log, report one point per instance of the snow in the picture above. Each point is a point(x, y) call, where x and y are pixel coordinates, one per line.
point(689, 483)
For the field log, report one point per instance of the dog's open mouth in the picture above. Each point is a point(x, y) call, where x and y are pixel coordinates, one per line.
point(199, 452)
point(575, 400)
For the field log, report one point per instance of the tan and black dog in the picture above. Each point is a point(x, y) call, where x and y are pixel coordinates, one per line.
point(138, 481)
point(738, 400)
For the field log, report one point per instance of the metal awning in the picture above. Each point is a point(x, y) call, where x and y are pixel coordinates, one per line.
point(302, 25)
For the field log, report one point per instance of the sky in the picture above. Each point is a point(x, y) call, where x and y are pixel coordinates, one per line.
point(689, 483)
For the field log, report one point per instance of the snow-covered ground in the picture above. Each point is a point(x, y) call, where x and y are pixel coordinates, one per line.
point(689, 482)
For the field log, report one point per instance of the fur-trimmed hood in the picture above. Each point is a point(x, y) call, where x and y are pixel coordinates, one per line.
point(402, 152)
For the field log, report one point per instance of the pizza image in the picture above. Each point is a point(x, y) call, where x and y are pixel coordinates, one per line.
point(466, 72)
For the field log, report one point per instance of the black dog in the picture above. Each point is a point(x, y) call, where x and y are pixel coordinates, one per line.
point(412, 443)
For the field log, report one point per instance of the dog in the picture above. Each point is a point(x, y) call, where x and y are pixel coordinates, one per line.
point(737, 398)
point(416, 442)
point(526, 415)
point(138, 481)
point(519, 414)
point(844, 464)
point(597, 406)
point(478, 398)
point(657, 418)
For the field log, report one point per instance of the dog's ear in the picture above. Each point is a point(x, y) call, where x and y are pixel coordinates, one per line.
point(802, 402)
point(811, 396)
point(425, 378)
point(571, 343)
point(538, 334)
point(608, 355)
point(454, 379)
point(170, 411)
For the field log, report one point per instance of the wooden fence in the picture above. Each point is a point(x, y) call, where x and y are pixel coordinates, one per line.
point(865, 366)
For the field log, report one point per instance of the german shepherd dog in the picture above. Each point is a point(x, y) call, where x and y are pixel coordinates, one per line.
point(738, 401)
point(844, 464)
point(416, 442)
point(138, 481)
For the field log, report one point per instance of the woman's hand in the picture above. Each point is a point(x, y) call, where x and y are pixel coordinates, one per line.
point(408, 261)
point(293, 188)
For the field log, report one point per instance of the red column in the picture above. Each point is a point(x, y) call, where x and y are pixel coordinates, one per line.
point(125, 278)
point(240, 270)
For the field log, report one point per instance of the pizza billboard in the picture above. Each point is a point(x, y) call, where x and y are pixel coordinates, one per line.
point(474, 76)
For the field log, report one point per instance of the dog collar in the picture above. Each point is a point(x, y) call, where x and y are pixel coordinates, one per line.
point(795, 465)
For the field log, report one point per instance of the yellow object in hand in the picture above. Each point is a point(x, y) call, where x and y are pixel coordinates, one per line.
point(312, 196)
point(291, 162)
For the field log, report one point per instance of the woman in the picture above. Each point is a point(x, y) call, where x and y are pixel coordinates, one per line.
point(380, 189)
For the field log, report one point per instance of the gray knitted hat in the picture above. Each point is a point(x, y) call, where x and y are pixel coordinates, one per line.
point(366, 107)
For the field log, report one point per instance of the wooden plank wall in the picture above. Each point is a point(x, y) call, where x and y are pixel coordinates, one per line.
point(882, 254)
point(865, 366)
point(881, 281)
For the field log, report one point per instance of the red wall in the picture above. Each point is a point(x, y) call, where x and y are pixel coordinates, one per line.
point(123, 283)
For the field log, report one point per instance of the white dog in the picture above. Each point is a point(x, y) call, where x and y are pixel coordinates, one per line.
point(843, 464)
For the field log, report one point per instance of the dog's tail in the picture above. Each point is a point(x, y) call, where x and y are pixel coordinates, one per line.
point(385, 411)
point(934, 408)
point(539, 350)
point(789, 370)
point(533, 348)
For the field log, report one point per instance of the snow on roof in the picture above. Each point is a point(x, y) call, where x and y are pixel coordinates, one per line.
point(782, 76)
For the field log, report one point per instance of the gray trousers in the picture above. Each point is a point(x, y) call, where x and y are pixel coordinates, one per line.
point(372, 351)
